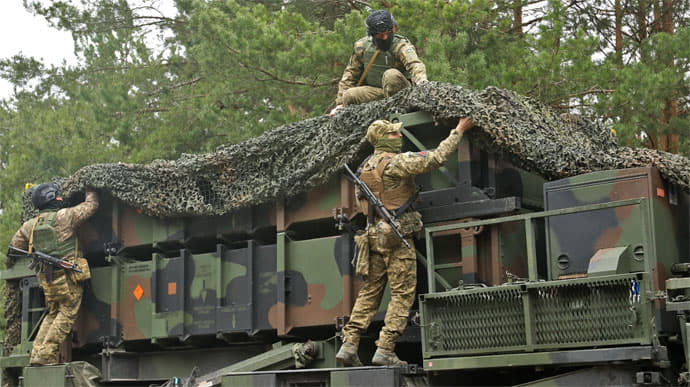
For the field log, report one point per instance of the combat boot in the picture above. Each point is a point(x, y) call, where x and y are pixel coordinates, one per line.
point(347, 355)
point(383, 357)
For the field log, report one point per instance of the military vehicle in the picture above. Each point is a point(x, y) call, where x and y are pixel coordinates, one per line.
point(575, 281)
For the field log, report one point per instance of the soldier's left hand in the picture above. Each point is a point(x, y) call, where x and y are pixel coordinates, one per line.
point(464, 125)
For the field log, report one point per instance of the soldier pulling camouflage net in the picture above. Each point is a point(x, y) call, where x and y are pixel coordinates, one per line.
point(299, 156)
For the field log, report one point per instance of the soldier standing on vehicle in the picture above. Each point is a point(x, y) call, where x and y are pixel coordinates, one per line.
point(381, 64)
point(390, 175)
point(53, 232)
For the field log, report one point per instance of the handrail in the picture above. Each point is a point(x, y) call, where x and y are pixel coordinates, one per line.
point(528, 218)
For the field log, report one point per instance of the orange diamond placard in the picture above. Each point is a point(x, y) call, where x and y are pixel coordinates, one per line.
point(138, 292)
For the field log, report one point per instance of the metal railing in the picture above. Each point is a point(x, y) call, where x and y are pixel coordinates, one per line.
point(529, 220)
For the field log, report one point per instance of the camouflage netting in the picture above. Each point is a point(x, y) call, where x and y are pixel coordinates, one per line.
point(13, 315)
point(296, 157)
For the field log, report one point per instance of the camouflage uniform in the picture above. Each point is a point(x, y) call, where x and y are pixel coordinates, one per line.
point(394, 262)
point(390, 73)
point(63, 294)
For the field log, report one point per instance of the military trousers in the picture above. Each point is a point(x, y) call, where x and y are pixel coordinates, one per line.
point(398, 267)
point(63, 299)
point(392, 82)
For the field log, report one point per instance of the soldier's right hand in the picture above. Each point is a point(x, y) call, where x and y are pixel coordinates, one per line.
point(335, 109)
point(464, 125)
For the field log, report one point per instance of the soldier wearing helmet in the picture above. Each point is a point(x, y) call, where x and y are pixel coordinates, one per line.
point(53, 231)
point(381, 64)
point(390, 175)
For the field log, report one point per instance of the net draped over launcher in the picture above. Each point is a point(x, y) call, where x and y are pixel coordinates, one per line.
point(297, 157)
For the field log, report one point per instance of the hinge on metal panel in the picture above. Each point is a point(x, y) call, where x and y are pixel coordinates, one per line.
point(412, 369)
point(650, 378)
point(340, 322)
point(288, 283)
point(111, 248)
point(341, 216)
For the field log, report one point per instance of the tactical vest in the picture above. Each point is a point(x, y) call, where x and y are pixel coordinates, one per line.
point(372, 175)
point(45, 238)
point(384, 60)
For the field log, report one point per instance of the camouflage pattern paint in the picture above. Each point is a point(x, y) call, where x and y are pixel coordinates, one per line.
point(283, 268)
point(318, 203)
point(228, 291)
point(579, 236)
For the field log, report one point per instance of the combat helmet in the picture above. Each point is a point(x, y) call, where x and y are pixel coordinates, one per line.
point(380, 21)
point(43, 194)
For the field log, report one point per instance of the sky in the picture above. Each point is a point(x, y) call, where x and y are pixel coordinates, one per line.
point(30, 35)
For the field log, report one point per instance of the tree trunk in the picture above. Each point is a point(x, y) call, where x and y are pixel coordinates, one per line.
point(642, 19)
point(517, 18)
point(667, 17)
point(619, 34)
point(663, 22)
point(671, 109)
point(656, 8)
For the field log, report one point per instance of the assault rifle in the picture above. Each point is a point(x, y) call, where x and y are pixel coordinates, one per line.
point(51, 262)
point(377, 205)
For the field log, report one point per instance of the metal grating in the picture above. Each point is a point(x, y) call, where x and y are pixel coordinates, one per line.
point(588, 312)
point(585, 312)
point(492, 319)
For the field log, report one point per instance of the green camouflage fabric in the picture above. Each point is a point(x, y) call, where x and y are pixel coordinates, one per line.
point(392, 82)
point(65, 224)
point(380, 128)
point(517, 128)
point(46, 238)
point(63, 298)
point(399, 269)
point(406, 165)
point(303, 353)
point(404, 59)
point(393, 262)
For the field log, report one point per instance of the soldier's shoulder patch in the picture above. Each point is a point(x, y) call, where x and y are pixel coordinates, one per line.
point(420, 154)
point(410, 53)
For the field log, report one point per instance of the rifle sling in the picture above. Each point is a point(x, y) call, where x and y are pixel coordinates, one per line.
point(371, 215)
point(401, 210)
point(31, 237)
point(366, 71)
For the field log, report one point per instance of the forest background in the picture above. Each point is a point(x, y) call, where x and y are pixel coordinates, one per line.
point(152, 86)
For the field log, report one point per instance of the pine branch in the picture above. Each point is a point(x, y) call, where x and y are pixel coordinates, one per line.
point(592, 90)
point(173, 87)
point(273, 77)
point(358, 4)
